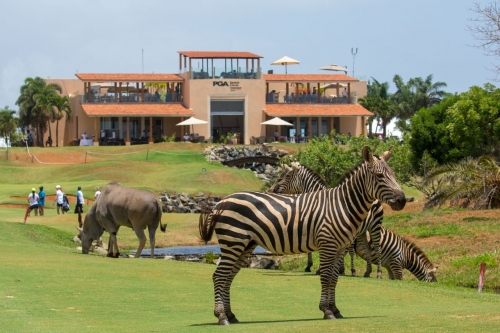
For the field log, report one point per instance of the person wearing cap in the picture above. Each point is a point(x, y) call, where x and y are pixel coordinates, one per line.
point(59, 198)
point(33, 204)
point(97, 193)
point(79, 201)
point(41, 200)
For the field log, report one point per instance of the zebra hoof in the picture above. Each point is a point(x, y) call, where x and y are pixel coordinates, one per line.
point(223, 322)
point(367, 275)
point(307, 270)
point(328, 315)
point(338, 315)
point(234, 320)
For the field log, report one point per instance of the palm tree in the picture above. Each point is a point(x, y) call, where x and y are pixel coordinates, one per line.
point(472, 183)
point(378, 100)
point(8, 122)
point(427, 93)
point(35, 97)
point(62, 108)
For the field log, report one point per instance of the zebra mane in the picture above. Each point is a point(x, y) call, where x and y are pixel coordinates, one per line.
point(418, 252)
point(317, 176)
point(349, 173)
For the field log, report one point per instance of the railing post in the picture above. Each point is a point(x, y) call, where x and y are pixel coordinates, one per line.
point(147, 155)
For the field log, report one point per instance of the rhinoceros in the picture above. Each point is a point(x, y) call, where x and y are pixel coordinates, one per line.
point(122, 206)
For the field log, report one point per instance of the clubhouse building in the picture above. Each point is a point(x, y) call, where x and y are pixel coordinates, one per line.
point(227, 90)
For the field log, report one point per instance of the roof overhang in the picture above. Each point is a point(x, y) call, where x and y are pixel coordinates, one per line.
point(137, 110)
point(327, 78)
point(316, 110)
point(219, 55)
point(124, 77)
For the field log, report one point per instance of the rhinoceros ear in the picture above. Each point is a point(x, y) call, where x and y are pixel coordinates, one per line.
point(79, 229)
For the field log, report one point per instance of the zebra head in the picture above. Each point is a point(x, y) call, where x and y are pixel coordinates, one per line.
point(284, 183)
point(385, 187)
point(429, 276)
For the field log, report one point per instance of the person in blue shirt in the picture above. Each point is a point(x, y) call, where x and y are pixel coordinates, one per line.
point(79, 201)
point(41, 200)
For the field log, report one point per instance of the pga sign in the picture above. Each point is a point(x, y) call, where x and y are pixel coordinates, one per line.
point(220, 84)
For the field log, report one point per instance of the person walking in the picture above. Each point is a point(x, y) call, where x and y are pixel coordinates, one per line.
point(41, 200)
point(97, 193)
point(33, 204)
point(59, 198)
point(79, 201)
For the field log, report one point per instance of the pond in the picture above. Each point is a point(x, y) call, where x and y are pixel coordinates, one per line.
point(192, 250)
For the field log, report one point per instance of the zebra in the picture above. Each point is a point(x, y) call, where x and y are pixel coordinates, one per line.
point(300, 179)
point(399, 253)
point(326, 221)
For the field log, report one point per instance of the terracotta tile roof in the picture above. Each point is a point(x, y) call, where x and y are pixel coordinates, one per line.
point(124, 77)
point(219, 54)
point(316, 110)
point(309, 77)
point(137, 110)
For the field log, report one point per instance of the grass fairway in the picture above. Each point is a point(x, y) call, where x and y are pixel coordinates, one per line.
point(46, 285)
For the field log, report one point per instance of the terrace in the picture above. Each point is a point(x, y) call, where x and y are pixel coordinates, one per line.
point(228, 65)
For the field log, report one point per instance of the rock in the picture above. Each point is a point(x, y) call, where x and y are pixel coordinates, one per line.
point(263, 262)
point(169, 258)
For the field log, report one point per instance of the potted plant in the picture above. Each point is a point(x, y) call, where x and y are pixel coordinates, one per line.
point(235, 138)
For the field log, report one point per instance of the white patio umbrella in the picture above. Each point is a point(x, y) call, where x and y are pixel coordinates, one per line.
point(335, 67)
point(285, 61)
point(192, 121)
point(276, 121)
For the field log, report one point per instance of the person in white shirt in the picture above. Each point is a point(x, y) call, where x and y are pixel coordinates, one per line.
point(84, 136)
point(59, 198)
point(344, 95)
point(97, 193)
point(33, 203)
point(79, 201)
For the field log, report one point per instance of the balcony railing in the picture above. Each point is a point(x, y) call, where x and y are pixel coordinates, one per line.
point(134, 98)
point(224, 73)
point(308, 98)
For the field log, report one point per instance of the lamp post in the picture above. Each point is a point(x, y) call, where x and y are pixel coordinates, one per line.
point(353, 52)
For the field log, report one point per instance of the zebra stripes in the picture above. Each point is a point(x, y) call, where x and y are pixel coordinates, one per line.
point(399, 253)
point(300, 179)
point(326, 221)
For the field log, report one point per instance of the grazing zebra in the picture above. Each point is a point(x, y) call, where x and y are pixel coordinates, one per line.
point(398, 254)
point(300, 179)
point(326, 221)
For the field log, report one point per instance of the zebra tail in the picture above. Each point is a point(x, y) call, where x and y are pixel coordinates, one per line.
point(207, 221)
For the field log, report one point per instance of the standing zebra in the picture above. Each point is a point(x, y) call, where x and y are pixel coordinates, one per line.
point(399, 253)
point(326, 220)
point(300, 179)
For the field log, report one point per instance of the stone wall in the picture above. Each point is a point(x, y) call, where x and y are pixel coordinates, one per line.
point(184, 203)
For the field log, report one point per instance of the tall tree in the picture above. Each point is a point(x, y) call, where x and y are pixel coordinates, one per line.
point(62, 109)
point(8, 122)
point(35, 95)
point(378, 101)
point(417, 93)
point(486, 29)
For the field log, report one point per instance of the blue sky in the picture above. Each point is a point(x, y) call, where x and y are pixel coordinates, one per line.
point(413, 39)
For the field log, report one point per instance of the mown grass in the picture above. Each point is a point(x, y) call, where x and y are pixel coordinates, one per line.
point(48, 286)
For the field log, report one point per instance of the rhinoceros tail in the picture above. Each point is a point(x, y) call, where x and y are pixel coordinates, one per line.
point(207, 221)
point(160, 211)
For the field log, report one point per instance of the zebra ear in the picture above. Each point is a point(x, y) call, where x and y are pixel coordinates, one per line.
point(367, 156)
point(387, 155)
point(287, 168)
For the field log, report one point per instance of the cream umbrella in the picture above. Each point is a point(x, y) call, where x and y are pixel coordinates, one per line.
point(277, 122)
point(285, 61)
point(334, 67)
point(192, 121)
